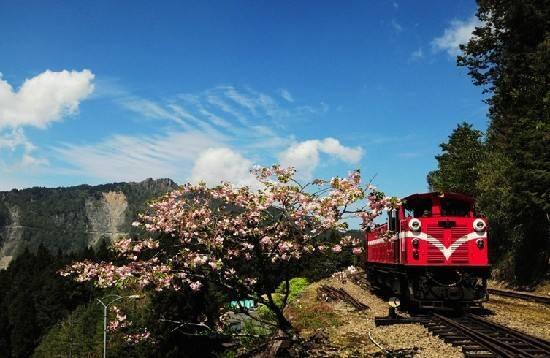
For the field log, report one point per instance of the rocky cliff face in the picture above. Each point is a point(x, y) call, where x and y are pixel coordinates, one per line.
point(70, 219)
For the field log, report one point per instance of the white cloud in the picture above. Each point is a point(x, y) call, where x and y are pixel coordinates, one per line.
point(304, 156)
point(223, 164)
point(458, 33)
point(347, 154)
point(122, 158)
point(43, 99)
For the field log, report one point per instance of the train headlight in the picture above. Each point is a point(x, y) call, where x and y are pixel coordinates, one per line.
point(480, 243)
point(415, 242)
point(415, 224)
point(479, 225)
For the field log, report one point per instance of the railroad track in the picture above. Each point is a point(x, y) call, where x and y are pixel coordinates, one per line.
point(521, 295)
point(480, 337)
point(326, 292)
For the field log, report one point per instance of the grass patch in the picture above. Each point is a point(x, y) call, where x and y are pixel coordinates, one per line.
point(296, 286)
point(308, 314)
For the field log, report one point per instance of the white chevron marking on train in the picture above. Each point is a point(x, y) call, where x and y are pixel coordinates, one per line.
point(446, 251)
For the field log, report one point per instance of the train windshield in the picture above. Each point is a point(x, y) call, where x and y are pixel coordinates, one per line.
point(454, 207)
point(418, 208)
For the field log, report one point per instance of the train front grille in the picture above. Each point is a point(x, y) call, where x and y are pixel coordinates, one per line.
point(460, 253)
point(434, 254)
point(460, 256)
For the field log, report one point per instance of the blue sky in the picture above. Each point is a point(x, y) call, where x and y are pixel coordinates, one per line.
point(103, 91)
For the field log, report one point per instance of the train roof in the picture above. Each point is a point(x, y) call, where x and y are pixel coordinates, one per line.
point(450, 195)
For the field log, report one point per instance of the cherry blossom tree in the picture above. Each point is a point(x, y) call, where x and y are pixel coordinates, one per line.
point(245, 240)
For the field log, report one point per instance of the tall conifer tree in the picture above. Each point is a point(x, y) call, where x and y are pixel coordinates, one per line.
point(509, 55)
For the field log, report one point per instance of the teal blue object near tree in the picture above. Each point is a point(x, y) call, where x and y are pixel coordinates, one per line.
point(242, 304)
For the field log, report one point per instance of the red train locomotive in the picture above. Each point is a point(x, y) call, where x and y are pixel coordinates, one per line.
point(437, 256)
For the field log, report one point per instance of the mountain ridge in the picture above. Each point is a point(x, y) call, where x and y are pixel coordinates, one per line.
point(71, 218)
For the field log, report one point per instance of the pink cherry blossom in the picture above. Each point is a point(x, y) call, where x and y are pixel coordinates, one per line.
point(236, 236)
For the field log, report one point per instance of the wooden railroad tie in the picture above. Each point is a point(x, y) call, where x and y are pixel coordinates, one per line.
point(329, 293)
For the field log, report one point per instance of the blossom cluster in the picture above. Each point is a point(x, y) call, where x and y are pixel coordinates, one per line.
point(346, 274)
point(119, 320)
point(137, 337)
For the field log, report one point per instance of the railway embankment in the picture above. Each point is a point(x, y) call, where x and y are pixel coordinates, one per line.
point(346, 330)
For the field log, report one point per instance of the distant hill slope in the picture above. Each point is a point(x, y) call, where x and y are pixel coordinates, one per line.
point(71, 218)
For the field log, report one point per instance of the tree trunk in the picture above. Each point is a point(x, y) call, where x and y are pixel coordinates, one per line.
point(283, 323)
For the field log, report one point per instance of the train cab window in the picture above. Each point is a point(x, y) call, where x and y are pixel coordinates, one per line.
point(419, 208)
point(454, 207)
point(393, 220)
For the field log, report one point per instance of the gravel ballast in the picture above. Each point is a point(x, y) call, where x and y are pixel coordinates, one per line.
point(354, 335)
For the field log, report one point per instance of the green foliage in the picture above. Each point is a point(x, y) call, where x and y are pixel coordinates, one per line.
point(254, 333)
point(81, 332)
point(79, 335)
point(296, 286)
point(33, 297)
point(510, 57)
point(493, 187)
point(57, 218)
point(458, 163)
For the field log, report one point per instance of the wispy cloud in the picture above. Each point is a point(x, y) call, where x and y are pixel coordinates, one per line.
point(459, 32)
point(224, 109)
point(220, 133)
point(417, 54)
point(286, 95)
point(150, 109)
point(17, 151)
point(122, 157)
point(396, 26)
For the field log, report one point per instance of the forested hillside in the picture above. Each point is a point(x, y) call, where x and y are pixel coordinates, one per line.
point(73, 218)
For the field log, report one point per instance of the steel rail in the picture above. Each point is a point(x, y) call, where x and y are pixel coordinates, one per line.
point(480, 337)
point(521, 295)
point(535, 341)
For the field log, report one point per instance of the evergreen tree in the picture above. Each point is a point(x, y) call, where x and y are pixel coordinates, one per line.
point(509, 55)
point(33, 297)
point(458, 163)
